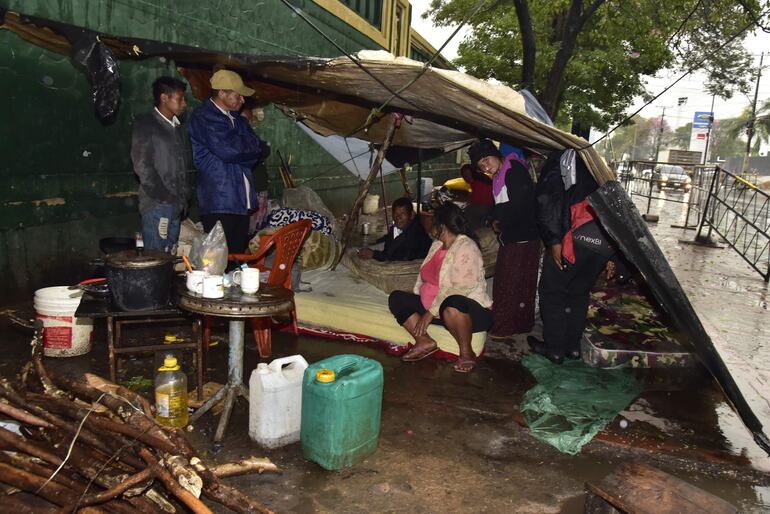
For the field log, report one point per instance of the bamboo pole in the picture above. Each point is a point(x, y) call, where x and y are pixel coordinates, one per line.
point(395, 123)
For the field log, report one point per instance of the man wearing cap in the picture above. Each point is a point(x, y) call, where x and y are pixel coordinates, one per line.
point(225, 149)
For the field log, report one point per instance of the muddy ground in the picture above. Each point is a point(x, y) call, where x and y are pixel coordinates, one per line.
point(454, 443)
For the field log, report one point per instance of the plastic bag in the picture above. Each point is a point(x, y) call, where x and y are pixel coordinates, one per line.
point(209, 253)
point(572, 402)
point(568, 170)
point(103, 73)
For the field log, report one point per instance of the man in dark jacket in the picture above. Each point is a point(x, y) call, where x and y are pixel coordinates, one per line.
point(577, 251)
point(158, 155)
point(225, 149)
point(406, 239)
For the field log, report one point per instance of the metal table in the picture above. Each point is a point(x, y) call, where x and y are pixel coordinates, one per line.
point(236, 306)
point(96, 307)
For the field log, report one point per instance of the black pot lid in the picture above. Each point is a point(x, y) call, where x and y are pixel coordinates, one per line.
point(138, 260)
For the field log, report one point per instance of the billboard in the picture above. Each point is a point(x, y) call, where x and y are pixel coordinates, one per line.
point(701, 124)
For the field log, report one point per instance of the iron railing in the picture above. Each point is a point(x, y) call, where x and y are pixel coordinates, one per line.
point(717, 201)
point(739, 213)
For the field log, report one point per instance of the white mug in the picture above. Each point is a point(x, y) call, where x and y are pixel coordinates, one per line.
point(248, 279)
point(213, 286)
point(195, 281)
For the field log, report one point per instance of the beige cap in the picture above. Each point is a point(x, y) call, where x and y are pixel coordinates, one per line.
point(226, 79)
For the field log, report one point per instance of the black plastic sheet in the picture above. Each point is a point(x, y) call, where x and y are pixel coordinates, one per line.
point(620, 217)
point(103, 73)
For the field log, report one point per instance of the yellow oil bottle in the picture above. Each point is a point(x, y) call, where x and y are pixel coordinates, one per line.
point(171, 394)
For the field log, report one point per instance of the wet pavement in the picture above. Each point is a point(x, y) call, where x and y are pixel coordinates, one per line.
point(455, 443)
point(731, 300)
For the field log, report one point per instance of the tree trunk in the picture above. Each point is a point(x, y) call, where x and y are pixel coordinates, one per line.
point(573, 24)
point(528, 46)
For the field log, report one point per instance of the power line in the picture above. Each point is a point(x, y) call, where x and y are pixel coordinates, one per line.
point(347, 54)
point(686, 73)
point(424, 69)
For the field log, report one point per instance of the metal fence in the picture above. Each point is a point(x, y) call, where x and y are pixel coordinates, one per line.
point(645, 179)
point(739, 213)
point(717, 201)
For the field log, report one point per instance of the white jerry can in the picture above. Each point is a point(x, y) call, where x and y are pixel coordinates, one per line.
point(275, 401)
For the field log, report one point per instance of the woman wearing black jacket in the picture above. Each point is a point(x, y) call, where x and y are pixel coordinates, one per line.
point(518, 258)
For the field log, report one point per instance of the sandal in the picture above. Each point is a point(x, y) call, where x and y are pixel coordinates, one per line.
point(464, 364)
point(418, 354)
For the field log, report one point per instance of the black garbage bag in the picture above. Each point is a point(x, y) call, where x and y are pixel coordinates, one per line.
point(103, 73)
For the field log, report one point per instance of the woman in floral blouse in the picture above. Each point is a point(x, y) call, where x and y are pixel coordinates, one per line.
point(450, 291)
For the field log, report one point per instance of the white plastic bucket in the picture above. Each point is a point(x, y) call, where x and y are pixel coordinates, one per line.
point(64, 335)
point(275, 401)
point(371, 204)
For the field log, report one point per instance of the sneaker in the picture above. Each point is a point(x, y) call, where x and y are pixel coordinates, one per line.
point(539, 347)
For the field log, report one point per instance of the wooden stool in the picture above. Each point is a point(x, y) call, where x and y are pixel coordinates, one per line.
point(641, 489)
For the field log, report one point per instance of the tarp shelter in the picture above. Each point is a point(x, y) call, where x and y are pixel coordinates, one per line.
point(353, 153)
point(444, 109)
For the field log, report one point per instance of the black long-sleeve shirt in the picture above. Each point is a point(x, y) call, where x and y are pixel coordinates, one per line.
point(517, 215)
point(554, 203)
point(413, 243)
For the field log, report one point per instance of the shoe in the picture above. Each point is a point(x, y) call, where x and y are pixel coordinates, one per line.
point(574, 355)
point(539, 347)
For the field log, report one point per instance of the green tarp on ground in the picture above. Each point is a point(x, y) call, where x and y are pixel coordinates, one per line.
point(572, 402)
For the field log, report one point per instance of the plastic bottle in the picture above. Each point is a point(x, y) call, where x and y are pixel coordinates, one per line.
point(171, 394)
point(275, 401)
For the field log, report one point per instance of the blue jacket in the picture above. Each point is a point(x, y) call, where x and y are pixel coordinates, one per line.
point(223, 154)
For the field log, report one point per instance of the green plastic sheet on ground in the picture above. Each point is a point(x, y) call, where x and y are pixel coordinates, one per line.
point(572, 402)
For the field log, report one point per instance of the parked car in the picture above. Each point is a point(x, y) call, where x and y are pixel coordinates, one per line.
point(671, 176)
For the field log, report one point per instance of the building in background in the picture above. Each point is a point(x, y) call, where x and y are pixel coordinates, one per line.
point(67, 177)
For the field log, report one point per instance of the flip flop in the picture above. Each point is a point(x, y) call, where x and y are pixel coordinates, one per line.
point(415, 355)
point(464, 365)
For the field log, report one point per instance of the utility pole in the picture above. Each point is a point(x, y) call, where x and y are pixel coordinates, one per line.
point(660, 134)
point(633, 145)
point(708, 133)
point(750, 122)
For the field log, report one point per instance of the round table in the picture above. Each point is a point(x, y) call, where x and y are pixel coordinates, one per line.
point(236, 306)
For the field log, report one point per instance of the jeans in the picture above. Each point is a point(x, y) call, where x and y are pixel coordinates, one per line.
point(160, 228)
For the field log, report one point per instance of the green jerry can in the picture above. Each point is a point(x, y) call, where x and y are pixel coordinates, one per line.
point(341, 406)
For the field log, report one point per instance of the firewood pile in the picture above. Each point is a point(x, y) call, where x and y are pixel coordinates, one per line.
point(89, 445)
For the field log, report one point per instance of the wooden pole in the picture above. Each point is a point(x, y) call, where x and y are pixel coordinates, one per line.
point(395, 123)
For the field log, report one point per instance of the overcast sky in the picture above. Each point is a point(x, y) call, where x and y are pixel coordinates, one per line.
point(689, 87)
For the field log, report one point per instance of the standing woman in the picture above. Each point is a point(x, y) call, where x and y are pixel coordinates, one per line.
point(518, 258)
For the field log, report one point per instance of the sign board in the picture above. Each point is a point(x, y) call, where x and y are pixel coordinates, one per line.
point(702, 119)
point(698, 139)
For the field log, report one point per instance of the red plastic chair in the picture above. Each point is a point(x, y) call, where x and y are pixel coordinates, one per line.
point(287, 242)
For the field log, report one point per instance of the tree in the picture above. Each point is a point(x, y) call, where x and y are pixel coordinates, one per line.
point(584, 58)
point(681, 137)
point(637, 139)
point(736, 127)
point(722, 143)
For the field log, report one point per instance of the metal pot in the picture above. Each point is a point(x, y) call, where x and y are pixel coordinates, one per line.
point(139, 280)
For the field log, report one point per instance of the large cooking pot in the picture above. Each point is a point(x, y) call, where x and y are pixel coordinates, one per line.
point(139, 280)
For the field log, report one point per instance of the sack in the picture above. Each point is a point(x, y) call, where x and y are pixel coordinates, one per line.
point(591, 237)
point(209, 253)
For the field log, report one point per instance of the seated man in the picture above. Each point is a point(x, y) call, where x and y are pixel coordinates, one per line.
point(406, 239)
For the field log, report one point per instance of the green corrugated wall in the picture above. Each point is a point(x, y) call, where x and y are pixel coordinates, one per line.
point(66, 178)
